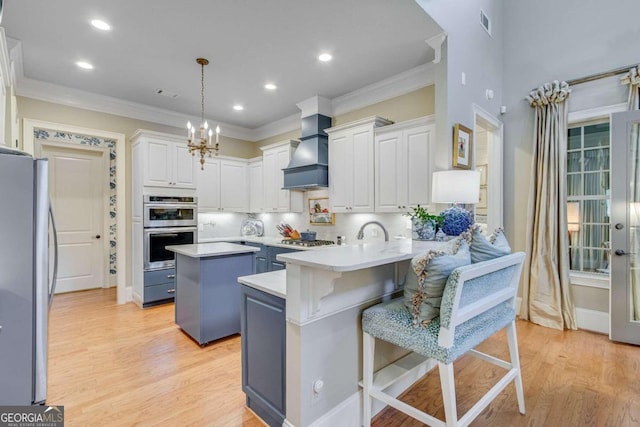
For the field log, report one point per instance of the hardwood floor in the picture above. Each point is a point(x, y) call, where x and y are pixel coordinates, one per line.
point(121, 366)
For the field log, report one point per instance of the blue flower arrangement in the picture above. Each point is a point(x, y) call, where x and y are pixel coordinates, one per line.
point(456, 220)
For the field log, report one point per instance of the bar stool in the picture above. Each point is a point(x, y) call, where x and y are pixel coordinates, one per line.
point(478, 301)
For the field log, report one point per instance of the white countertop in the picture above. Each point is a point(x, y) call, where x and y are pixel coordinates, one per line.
point(273, 282)
point(203, 250)
point(269, 241)
point(360, 256)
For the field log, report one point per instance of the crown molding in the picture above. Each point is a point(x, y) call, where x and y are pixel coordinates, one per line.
point(284, 125)
point(400, 84)
point(397, 85)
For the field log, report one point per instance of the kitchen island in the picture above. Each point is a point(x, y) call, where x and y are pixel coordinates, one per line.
point(207, 305)
point(326, 291)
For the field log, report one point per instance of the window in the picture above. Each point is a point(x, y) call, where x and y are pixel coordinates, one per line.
point(588, 200)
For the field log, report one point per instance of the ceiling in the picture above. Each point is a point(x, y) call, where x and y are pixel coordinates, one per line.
point(153, 45)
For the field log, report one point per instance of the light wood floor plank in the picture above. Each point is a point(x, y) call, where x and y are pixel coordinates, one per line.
point(117, 365)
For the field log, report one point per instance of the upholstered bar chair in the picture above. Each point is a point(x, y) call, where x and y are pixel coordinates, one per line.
point(478, 301)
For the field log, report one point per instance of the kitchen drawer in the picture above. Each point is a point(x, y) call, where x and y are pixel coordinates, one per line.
point(159, 277)
point(159, 292)
point(263, 249)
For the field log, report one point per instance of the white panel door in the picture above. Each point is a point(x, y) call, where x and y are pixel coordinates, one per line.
point(77, 186)
point(233, 186)
point(418, 166)
point(390, 173)
point(256, 187)
point(158, 170)
point(340, 173)
point(184, 169)
point(208, 189)
point(282, 161)
point(269, 168)
point(362, 196)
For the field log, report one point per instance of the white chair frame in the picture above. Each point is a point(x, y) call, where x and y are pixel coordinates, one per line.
point(373, 389)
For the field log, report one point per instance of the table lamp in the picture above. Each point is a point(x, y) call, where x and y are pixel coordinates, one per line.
point(456, 187)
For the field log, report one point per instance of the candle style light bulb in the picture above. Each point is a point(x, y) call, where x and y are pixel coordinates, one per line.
point(210, 134)
point(217, 133)
point(206, 125)
point(188, 128)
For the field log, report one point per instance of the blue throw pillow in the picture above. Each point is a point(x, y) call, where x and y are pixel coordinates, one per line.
point(427, 277)
point(484, 249)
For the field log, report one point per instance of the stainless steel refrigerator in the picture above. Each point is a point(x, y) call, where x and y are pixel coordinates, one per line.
point(25, 286)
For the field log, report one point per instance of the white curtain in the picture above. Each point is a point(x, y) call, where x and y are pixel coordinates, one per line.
point(546, 298)
point(632, 78)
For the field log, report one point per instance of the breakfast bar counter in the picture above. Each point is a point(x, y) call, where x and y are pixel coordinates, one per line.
point(326, 291)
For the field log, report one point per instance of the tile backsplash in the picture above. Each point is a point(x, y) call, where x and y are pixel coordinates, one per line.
point(228, 224)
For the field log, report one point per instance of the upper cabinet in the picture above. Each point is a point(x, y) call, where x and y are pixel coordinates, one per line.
point(223, 185)
point(165, 160)
point(275, 157)
point(256, 185)
point(351, 165)
point(403, 165)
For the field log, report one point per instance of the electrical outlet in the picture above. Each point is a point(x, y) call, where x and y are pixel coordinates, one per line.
point(316, 388)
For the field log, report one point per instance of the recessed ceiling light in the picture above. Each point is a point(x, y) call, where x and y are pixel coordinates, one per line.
point(84, 65)
point(270, 86)
point(101, 25)
point(238, 107)
point(325, 57)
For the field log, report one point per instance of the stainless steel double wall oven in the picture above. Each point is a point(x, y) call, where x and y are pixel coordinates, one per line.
point(168, 220)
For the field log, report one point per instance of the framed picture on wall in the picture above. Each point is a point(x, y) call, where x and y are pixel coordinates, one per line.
point(319, 212)
point(462, 147)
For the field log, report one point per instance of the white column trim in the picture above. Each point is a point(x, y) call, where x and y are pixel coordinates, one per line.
point(28, 145)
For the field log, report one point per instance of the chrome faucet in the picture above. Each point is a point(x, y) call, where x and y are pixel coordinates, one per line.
point(361, 232)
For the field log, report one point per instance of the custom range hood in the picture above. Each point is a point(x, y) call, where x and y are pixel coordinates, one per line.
point(308, 168)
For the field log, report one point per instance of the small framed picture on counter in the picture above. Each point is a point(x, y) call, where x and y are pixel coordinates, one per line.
point(319, 212)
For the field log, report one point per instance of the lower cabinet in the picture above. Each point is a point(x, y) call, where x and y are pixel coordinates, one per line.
point(274, 264)
point(266, 257)
point(263, 332)
point(159, 286)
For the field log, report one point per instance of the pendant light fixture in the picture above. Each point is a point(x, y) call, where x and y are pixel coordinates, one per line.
point(204, 145)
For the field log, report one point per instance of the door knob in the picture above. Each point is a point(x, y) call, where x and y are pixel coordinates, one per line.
point(620, 252)
point(619, 226)
point(98, 236)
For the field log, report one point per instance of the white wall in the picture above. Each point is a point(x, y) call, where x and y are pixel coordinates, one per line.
point(546, 40)
point(471, 50)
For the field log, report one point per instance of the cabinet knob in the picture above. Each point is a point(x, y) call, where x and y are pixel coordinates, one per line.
point(98, 236)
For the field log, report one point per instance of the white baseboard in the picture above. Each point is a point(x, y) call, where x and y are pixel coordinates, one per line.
point(592, 320)
point(348, 413)
point(589, 320)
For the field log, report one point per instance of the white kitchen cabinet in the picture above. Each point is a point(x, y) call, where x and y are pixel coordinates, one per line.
point(256, 186)
point(403, 165)
point(165, 160)
point(275, 157)
point(351, 165)
point(223, 186)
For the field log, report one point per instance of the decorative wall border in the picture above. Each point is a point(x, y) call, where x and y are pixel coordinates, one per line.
point(28, 145)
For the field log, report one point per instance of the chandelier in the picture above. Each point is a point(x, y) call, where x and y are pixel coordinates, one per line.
point(204, 145)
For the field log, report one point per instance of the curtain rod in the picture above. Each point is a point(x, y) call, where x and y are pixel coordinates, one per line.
point(614, 72)
point(598, 76)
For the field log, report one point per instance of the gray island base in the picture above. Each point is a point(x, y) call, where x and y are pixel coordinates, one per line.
point(207, 304)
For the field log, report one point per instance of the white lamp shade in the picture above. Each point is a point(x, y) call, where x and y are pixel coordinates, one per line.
point(455, 186)
point(573, 216)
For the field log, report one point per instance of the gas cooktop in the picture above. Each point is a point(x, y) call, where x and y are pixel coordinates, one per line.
point(308, 243)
